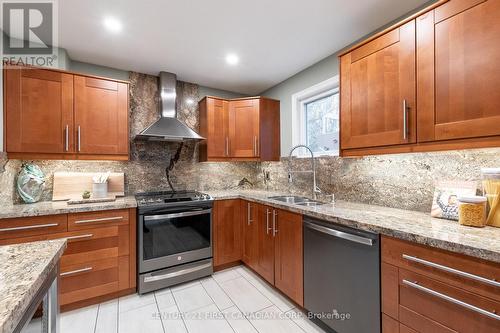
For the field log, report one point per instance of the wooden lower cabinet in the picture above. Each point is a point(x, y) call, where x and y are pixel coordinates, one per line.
point(430, 290)
point(226, 231)
point(250, 212)
point(100, 259)
point(265, 243)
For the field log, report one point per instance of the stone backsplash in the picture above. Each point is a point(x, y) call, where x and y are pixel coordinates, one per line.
point(402, 181)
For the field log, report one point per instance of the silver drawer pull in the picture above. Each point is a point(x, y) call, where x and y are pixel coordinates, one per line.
point(100, 219)
point(80, 236)
point(451, 299)
point(177, 273)
point(452, 270)
point(28, 227)
point(86, 269)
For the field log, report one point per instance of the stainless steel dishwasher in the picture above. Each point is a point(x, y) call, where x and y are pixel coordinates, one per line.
point(342, 277)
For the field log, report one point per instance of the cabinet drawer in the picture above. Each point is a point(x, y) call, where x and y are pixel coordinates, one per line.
point(94, 244)
point(87, 280)
point(32, 226)
point(448, 307)
point(89, 220)
point(475, 275)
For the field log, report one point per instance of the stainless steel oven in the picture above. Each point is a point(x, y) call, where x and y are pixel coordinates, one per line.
point(174, 242)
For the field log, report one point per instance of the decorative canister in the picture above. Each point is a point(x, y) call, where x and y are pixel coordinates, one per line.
point(99, 190)
point(472, 211)
point(491, 189)
point(30, 183)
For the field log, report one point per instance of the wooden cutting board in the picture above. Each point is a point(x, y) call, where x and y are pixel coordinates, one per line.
point(71, 185)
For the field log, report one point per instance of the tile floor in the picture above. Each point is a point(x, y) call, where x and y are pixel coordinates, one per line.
point(233, 300)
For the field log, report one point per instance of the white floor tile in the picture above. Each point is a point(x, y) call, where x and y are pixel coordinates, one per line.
point(191, 298)
point(272, 320)
point(273, 295)
point(226, 275)
point(135, 301)
point(163, 291)
point(79, 321)
point(107, 317)
point(172, 320)
point(301, 319)
point(238, 321)
point(207, 319)
point(245, 295)
point(165, 300)
point(216, 293)
point(246, 273)
point(142, 319)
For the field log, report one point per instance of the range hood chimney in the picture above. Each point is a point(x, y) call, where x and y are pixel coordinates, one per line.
point(168, 127)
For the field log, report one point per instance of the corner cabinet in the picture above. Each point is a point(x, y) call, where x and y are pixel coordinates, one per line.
point(51, 114)
point(429, 83)
point(246, 129)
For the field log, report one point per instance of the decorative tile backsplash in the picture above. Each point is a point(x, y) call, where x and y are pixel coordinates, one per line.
point(401, 181)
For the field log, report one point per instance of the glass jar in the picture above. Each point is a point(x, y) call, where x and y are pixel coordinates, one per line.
point(472, 211)
point(491, 189)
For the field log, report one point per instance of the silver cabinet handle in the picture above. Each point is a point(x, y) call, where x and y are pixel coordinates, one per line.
point(451, 270)
point(176, 215)
point(80, 236)
point(267, 220)
point(340, 234)
point(405, 120)
point(79, 138)
point(86, 269)
point(66, 138)
point(227, 146)
point(249, 213)
point(275, 222)
point(28, 227)
point(451, 299)
point(114, 218)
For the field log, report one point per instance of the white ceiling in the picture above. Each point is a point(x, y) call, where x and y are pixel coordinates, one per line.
point(273, 38)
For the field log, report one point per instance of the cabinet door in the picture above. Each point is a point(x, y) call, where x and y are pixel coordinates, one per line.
point(217, 128)
point(227, 231)
point(458, 70)
point(265, 247)
point(38, 111)
point(289, 262)
point(250, 213)
point(244, 128)
point(378, 91)
point(101, 116)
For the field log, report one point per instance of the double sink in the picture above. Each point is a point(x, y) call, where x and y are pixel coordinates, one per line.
point(298, 201)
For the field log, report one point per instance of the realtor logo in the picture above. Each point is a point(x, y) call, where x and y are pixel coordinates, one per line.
point(29, 32)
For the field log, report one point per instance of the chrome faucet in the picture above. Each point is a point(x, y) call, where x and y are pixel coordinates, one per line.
point(315, 188)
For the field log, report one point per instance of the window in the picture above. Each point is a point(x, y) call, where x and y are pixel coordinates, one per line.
point(315, 118)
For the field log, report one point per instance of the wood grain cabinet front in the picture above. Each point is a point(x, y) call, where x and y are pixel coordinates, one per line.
point(428, 83)
point(430, 290)
point(227, 231)
point(246, 129)
point(54, 114)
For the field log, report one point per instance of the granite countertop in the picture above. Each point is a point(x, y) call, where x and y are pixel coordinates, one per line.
point(23, 272)
point(61, 207)
point(413, 226)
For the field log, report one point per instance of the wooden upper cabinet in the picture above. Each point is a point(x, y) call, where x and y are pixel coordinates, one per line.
point(458, 70)
point(214, 126)
point(53, 114)
point(245, 129)
point(38, 111)
point(377, 82)
point(101, 116)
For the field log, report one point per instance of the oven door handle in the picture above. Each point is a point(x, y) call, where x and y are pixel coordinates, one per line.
point(175, 215)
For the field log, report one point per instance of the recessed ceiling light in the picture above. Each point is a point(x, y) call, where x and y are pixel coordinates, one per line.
point(112, 24)
point(232, 59)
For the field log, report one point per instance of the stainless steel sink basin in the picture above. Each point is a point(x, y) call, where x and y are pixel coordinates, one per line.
point(296, 200)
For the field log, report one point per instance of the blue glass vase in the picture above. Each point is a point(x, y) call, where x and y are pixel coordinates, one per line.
point(30, 183)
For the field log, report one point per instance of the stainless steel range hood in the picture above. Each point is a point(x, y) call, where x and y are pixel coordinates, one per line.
point(168, 127)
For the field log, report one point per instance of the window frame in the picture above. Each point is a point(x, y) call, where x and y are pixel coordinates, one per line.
point(299, 100)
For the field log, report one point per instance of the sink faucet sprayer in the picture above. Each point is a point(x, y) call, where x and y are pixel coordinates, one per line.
point(315, 188)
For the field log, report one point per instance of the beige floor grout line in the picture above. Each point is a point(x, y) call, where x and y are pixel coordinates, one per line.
point(97, 317)
point(179, 310)
point(218, 306)
point(159, 313)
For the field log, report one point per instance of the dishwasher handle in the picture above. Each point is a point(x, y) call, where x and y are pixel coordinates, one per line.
point(340, 234)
